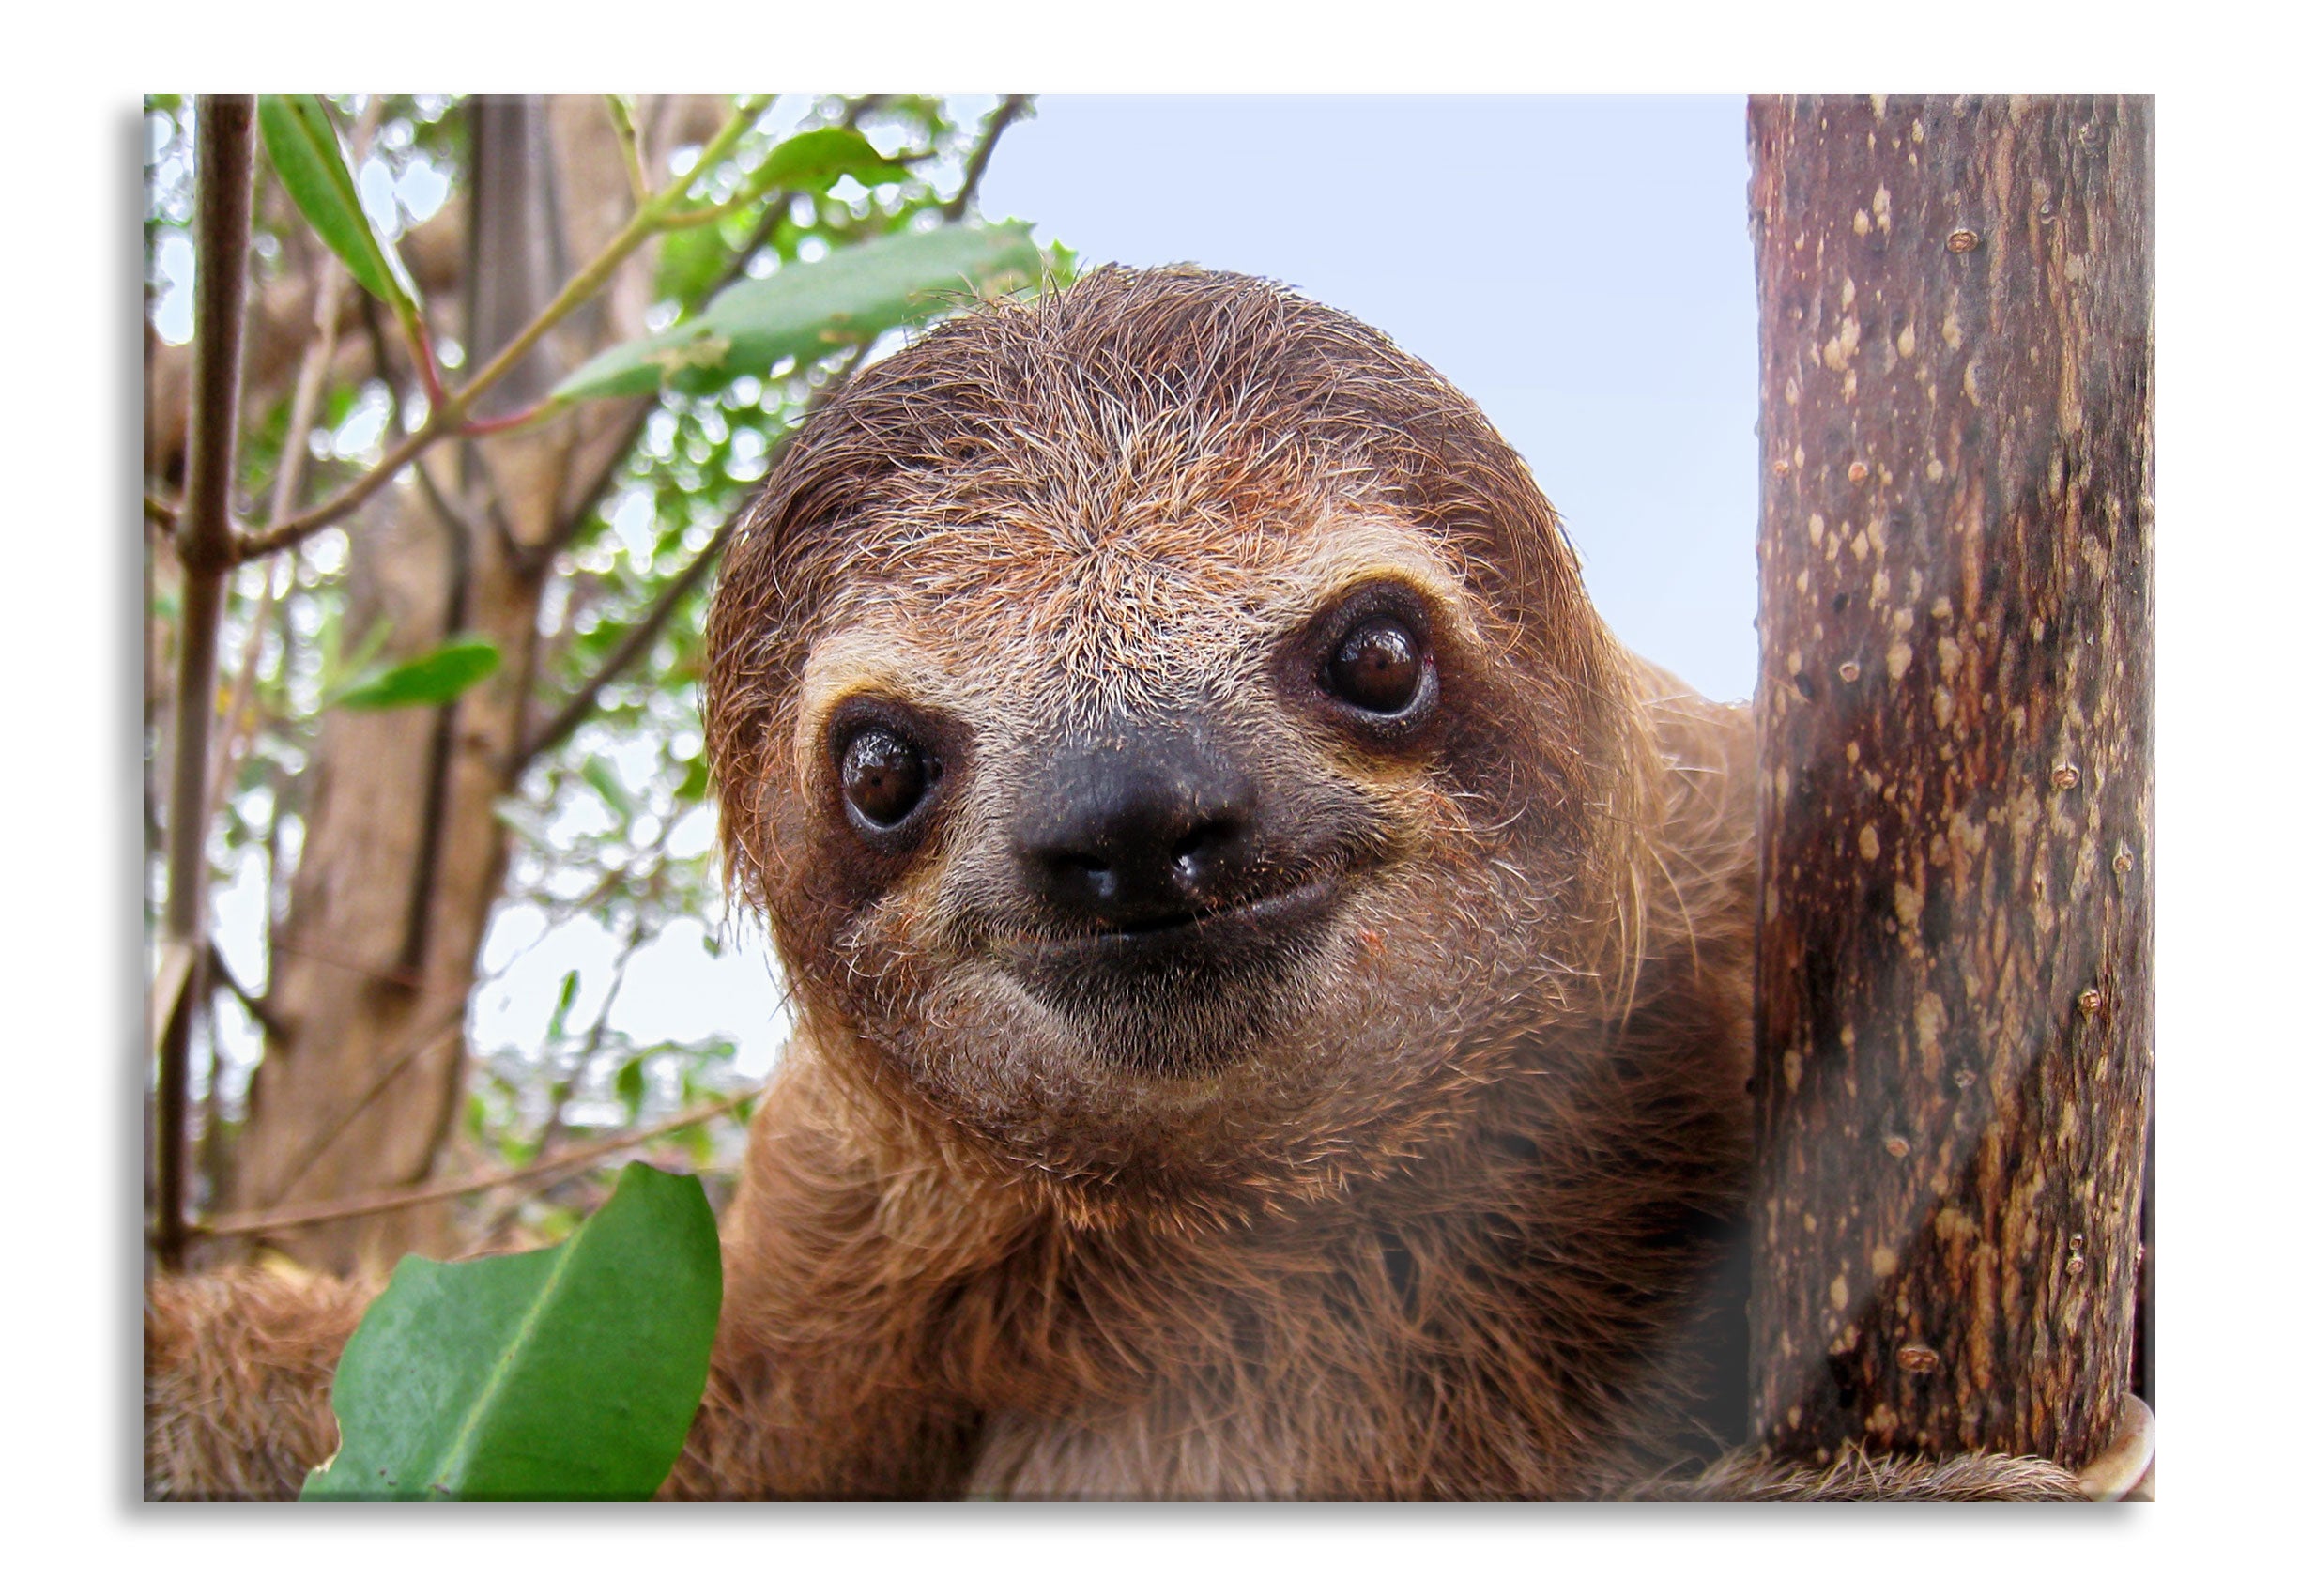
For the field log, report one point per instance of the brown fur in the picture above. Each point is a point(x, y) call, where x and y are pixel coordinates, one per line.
point(236, 1367)
point(1429, 1211)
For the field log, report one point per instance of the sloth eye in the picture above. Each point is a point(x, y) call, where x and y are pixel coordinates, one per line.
point(885, 775)
point(1377, 667)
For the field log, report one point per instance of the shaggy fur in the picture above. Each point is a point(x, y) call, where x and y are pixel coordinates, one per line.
point(236, 1367)
point(1425, 1201)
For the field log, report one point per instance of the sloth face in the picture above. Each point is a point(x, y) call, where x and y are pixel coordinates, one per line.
point(1148, 843)
point(1135, 762)
point(1134, 898)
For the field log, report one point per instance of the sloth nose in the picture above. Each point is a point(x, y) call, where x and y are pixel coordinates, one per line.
point(1132, 830)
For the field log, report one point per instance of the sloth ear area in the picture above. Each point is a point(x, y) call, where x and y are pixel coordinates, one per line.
point(763, 556)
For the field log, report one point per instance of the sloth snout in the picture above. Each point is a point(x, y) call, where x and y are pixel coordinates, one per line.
point(1135, 829)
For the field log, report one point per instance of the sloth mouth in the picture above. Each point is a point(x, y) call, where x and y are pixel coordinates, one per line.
point(1191, 952)
point(1257, 917)
point(1186, 993)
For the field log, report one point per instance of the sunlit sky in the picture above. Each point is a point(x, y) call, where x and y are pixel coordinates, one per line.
point(1581, 266)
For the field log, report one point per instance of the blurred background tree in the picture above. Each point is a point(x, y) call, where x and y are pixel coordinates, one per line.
point(495, 400)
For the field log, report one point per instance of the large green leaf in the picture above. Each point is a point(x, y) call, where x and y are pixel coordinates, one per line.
point(301, 139)
point(807, 310)
point(571, 1374)
point(447, 672)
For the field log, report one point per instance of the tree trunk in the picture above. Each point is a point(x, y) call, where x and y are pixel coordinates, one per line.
point(1955, 1008)
point(402, 856)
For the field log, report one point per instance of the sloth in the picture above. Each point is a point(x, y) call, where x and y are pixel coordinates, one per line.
point(1271, 974)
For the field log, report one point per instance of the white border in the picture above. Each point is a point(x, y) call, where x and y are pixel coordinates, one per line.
point(2226, 574)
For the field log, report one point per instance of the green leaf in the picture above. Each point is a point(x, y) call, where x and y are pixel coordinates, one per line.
point(447, 672)
point(695, 782)
point(301, 139)
point(808, 310)
point(513, 814)
point(570, 1373)
point(818, 158)
point(335, 670)
point(601, 774)
point(568, 988)
point(692, 260)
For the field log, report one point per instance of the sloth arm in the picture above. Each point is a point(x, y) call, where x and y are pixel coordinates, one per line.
point(238, 1364)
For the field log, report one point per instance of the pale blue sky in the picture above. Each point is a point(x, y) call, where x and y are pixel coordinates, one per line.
point(1580, 266)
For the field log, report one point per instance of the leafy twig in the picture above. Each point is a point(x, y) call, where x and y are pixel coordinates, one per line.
point(287, 480)
point(562, 1090)
point(586, 497)
point(449, 414)
point(592, 1040)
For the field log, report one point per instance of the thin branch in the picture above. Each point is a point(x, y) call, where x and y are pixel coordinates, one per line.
point(448, 508)
point(226, 194)
point(511, 420)
point(592, 1040)
point(578, 506)
point(417, 333)
point(384, 1077)
point(160, 512)
point(634, 642)
point(627, 138)
point(258, 1008)
point(385, 1202)
point(289, 533)
point(1009, 110)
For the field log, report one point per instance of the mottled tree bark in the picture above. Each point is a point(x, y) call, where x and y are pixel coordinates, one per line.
point(1955, 1009)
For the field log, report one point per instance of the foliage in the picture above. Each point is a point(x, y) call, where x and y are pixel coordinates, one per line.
point(301, 139)
point(812, 308)
point(611, 824)
point(570, 1372)
point(446, 672)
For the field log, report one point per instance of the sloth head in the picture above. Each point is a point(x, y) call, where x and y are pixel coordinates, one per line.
point(1165, 731)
